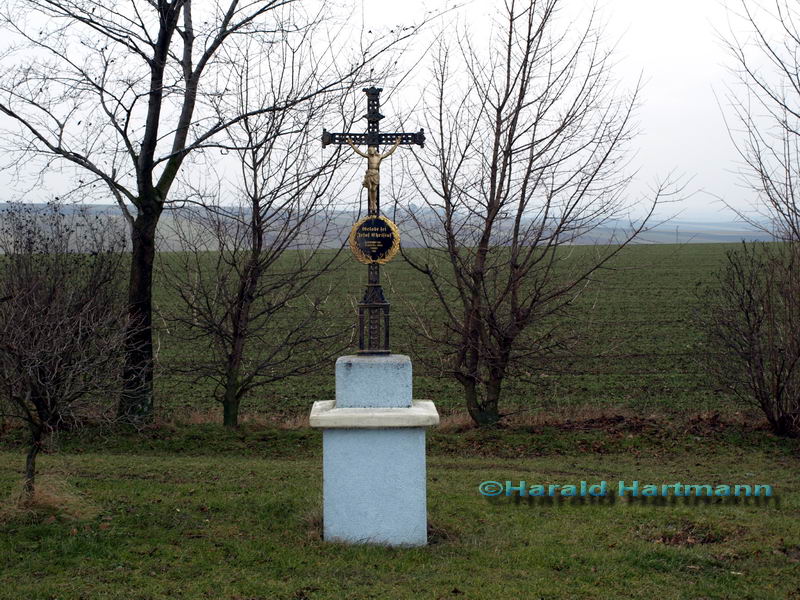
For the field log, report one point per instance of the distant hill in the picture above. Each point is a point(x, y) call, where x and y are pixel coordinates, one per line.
point(688, 232)
point(681, 231)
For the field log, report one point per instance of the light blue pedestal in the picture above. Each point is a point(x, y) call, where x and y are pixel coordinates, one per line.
point(374, 486)
point(374, 475)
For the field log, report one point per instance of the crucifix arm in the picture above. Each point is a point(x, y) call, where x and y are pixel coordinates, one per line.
point(354, 147)
point(396, 144)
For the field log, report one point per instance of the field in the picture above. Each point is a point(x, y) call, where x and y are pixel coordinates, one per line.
point(183, 509)
point(638, 347)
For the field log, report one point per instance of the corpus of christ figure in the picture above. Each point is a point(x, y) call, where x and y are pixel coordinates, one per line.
point(372, 178)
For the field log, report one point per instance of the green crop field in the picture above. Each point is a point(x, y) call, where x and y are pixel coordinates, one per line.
point(637, 347)
point(186, 509)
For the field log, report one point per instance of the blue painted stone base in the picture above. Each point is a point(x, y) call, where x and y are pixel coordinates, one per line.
point(373, 381)
point(374, 486)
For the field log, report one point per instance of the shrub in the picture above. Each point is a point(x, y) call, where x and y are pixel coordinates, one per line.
point(751, 319)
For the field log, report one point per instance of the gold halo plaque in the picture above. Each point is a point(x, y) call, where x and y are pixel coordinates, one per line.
point(374, 240)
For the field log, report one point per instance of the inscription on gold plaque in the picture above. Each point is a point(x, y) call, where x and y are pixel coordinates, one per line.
point(374, 240)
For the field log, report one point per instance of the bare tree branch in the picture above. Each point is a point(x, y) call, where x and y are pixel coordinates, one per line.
point(128, 91)
point(527, 158)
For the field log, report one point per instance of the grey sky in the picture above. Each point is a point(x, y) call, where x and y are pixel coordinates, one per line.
point(675, 48)
point(685, 67)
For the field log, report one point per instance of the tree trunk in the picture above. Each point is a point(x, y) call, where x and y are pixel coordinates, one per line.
point(482, 413)
point(230, 401)
point(240, 321)
point(786, 425)
point(230, 409)
point(491, 405)
point(136, 403)
point(28, 487)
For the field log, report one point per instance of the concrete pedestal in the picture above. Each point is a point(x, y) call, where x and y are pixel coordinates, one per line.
point(374, 475)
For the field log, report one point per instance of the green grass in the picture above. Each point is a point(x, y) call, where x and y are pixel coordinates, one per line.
point(184, 524)
point(182, 510)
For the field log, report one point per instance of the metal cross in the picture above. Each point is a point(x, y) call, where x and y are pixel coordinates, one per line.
point(373, 310)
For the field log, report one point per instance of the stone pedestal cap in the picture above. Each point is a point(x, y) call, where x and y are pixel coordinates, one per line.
point(373, 381)
point(327, 415)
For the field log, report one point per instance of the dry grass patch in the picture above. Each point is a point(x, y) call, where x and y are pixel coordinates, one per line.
point(313, 525)
point(609, 418)
point(54, 499)
point(686, 533)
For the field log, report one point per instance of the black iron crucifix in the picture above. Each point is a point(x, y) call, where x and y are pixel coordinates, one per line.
point(374, 240)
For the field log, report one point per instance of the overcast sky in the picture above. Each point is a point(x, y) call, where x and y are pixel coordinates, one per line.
point(675, 46)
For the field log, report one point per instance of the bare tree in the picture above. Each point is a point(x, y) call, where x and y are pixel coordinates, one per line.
point(246, 269)
point(62, 324)
point(526, 157)
point(766, 107)
point(752, 329)
point(127, 91)
point(751, 321)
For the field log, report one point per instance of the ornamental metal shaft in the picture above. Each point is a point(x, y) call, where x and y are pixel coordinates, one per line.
point(374, 303)
point(374, 240)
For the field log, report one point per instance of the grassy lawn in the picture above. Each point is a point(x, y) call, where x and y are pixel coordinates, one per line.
point(169, 514)
point(185, 509)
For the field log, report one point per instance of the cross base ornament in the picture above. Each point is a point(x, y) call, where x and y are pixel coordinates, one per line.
point(374, 240)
